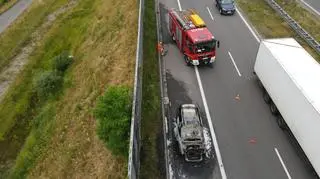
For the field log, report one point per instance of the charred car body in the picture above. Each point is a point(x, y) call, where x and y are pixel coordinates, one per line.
point(188, 131)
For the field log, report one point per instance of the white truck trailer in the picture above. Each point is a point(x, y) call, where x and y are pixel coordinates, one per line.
point(290, 79)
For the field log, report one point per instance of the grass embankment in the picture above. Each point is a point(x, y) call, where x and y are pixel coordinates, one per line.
point(62, 142)
point(18, 34)
point(151, 124)
point(269, 24)
point(6, 4)
point(309, 21)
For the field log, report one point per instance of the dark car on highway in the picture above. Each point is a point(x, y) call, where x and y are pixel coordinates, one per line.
point(226, 7)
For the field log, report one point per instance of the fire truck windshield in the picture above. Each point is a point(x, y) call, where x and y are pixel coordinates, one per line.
point(207, 46)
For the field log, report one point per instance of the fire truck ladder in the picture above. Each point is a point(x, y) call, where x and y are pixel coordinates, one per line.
point(195, 18)
point(183, 19)
point(189, 19)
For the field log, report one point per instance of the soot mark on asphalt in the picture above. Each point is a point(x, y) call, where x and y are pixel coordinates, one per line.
point(178, 94)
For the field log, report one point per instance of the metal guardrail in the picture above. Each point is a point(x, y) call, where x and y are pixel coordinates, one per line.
point(164, 92)
point(295, 26)
point(135, 133)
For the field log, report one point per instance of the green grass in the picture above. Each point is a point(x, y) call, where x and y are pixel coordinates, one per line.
point(151, 112)
point(18, 34)
point(17, 101)
point(269, 24)
point(56, 137)
point(20, 104)
point(309, 21)
point(36, 141)
point(6, 4)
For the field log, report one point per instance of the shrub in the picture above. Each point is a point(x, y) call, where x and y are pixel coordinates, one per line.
point(62, 62)
point(47, 83)
point(113, 113)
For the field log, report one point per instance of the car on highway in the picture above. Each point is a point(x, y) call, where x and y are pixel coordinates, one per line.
point(226, 7)
point(188, 131)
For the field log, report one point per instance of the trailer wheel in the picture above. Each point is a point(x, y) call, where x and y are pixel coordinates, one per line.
point(266, 97)
point(281, 123)
point(260, 84)
point(273, 108)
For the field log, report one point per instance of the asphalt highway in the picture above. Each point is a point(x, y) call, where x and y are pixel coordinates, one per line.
point(10, 15)
point(251, 144)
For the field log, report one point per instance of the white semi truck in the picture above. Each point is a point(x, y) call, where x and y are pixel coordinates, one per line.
point(290, 80)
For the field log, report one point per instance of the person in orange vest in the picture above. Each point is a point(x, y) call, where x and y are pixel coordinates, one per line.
point(160, 48)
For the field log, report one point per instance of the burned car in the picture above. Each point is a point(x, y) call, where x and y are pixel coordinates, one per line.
point(188, 131)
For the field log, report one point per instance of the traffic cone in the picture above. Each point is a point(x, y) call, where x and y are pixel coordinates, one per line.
point(252, 141)
point(237, 97)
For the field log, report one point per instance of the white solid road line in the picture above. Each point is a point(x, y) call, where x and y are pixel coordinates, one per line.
point(234, 63)
point(213, 134)
point(282, 163)
point(179, 5)
point(309, 6)
point(210, 13)
point(247, 24)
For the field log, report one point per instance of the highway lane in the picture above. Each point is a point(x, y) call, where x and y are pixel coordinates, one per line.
point(182, 91)
point(10, 15)
point(235, 122)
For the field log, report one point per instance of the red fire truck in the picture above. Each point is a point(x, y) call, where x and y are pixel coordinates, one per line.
point(192, 37)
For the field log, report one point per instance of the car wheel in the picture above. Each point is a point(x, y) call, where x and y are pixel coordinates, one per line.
point(260, 84)
point(266, 97)
point(273, 109)
point(210, 65)
point(281, 123)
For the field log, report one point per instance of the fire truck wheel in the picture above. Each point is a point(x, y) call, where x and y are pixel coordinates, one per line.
point(187, 60)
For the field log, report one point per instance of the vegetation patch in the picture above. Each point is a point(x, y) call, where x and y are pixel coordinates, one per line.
point(57, 137)
point(113, 112)
point(151, 122)
point(47, 83)
point(62, 62)
point(101, 35)
point(19, 32)
point(269, 24)
point(6, 4)
point(35, 143)
point(309, 21)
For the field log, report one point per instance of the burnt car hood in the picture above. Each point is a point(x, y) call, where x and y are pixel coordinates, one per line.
point(192, 132)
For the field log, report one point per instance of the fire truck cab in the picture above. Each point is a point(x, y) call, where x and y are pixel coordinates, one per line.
point(192, 37)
